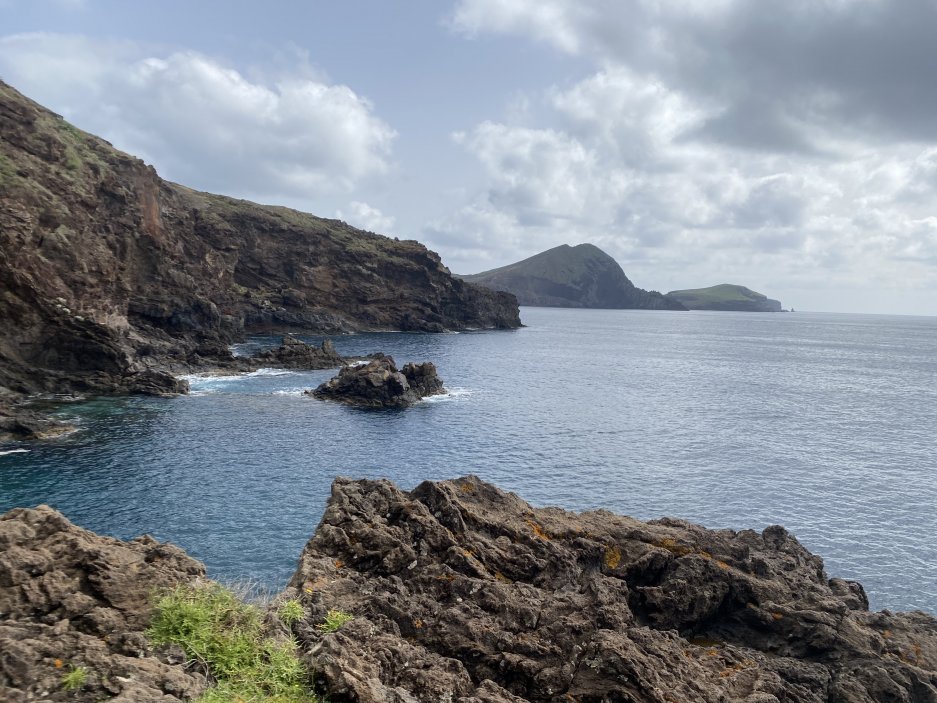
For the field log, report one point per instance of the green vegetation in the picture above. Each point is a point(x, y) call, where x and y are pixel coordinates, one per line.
point(725, 296)
point(75, 679)
point(227, 637)
point(291, 611)
point(334, 620)
point(7, 170)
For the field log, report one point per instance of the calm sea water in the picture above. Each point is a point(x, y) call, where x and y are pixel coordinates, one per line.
point(823, 423)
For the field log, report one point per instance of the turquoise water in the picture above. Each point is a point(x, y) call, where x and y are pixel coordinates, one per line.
point(823, 423)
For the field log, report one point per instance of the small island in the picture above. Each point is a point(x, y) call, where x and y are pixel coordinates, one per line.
point(726, 296)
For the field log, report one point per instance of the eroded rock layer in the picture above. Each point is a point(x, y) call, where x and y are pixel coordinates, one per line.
point(462, 592)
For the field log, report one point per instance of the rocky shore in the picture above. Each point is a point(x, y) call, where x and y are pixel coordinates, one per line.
point(112, 277)
point(378, 384)
point(458, 591)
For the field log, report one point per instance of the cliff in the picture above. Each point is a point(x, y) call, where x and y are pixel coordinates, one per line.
point(726, 297)
point(583, 276)
point(108, 272)
point(458, 591)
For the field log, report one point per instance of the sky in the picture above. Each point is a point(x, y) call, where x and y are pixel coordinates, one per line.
point(790, 147)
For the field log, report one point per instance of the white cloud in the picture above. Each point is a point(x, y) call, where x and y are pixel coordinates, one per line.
point(204, 123)
point(366, 217)
point(718, 141)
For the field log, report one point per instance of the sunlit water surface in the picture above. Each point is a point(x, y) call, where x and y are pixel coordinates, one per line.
point(823, 423)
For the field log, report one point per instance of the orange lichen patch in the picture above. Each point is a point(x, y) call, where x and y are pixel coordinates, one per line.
point(466, 487)
point(777, 616)
point(58, 663)
point(670, 544)
point(538, 530)
point(886, 634)
point(339, 564)
point(612, 557)
point(446, 577)
point(502, 578)
point(722, 565)
point(735, 668)
point(468, 552)
point(417, 623)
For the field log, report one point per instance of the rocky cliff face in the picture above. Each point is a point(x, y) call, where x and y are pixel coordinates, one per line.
point(583, 276)
point(72, 599)
point(107, 271)
point(463, 592)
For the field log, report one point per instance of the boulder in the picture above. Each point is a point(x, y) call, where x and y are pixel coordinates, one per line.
point(70, 598)
point(463, 592)
point(378, 384)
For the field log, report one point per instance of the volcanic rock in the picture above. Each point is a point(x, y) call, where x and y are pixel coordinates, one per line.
point(378, 384)
point(295, 354)
point(462, 592)
point(70, 598)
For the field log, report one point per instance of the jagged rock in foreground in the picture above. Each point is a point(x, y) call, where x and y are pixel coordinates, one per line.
point(378, 384)
point(70, 598)
point(463, 592)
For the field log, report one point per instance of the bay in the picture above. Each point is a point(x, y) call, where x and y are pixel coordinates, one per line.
point(823, 423)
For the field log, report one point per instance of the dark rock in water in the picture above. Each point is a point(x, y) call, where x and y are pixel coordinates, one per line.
point(462, 592)
point(378, 384)
point(295, 354)
point(70, 598)
point(20, 424)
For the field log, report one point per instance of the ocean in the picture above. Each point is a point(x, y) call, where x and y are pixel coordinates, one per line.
point(824, 423)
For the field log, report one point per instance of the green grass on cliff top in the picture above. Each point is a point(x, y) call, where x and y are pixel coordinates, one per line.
point(723, 293)
point(228, 639)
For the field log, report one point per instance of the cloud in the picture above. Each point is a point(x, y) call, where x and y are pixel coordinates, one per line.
point(784, 145)
point(202, 122)
point(866, 65)
point(366, 217)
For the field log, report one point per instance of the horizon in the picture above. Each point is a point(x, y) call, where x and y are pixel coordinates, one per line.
point(691, 143)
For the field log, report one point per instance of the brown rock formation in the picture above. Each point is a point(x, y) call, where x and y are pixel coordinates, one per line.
point(70, 598)
point(378, 384)
point(108, 272)
point(462, 592)
point(295, 354)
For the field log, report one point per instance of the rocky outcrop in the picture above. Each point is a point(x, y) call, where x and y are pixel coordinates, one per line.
point(295, 354)
point(727, 297)
point(462, 592)
point(109, 274)
point(73, 600)
point(582, 276)
point(378, 384)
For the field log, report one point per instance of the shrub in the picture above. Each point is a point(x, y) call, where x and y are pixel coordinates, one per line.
point(227, 638)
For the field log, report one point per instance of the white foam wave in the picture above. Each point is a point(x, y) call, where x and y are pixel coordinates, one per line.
point(450, 394)
point(14, 451)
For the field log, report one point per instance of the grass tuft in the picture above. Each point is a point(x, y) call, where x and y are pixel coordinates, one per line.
point(226, 636)
point(334, 620)
point(291, 611)
point(75, 679)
